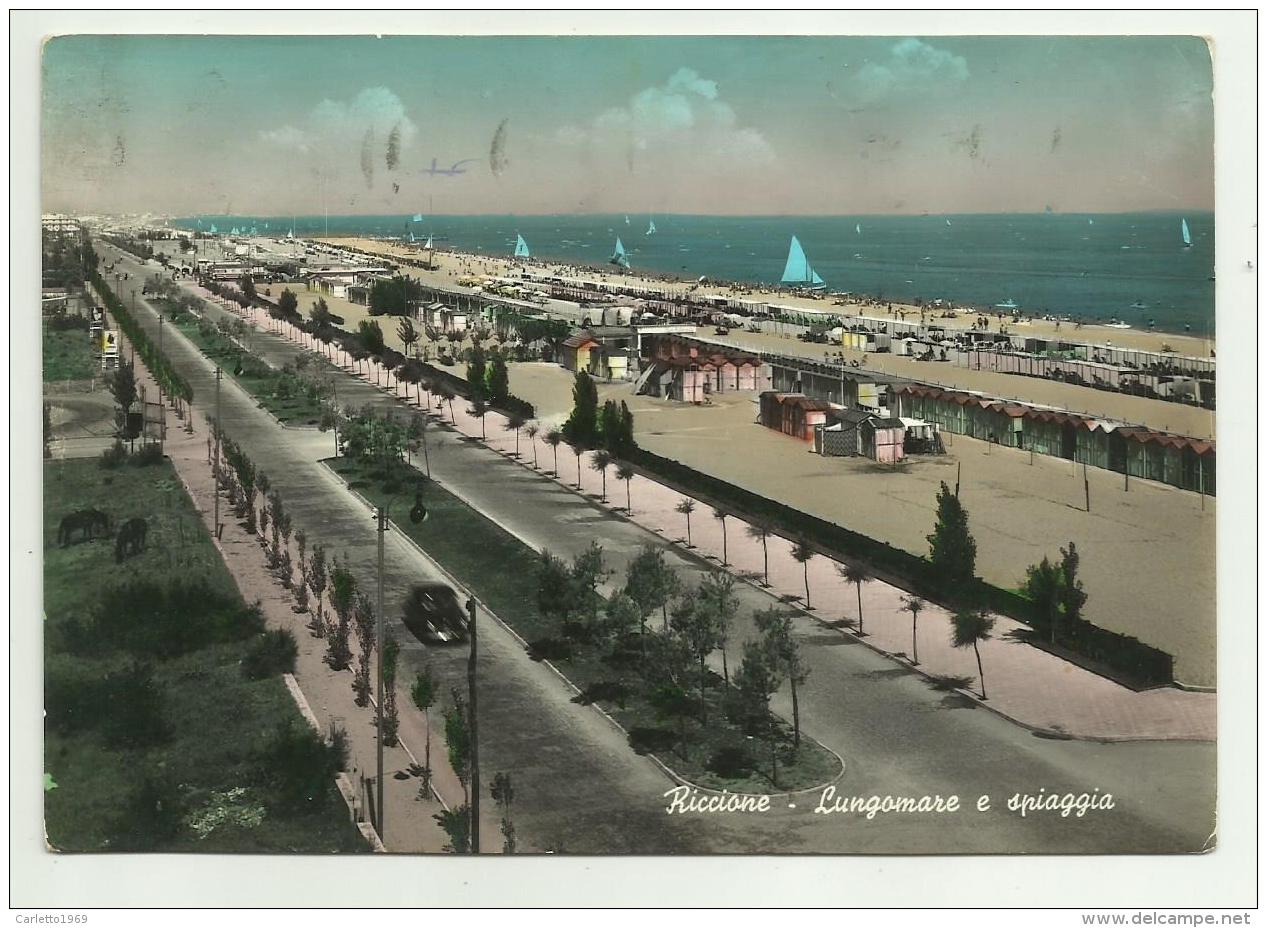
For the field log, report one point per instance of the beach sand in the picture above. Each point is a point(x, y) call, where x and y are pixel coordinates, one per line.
point(1147, 551)
point(449, 262)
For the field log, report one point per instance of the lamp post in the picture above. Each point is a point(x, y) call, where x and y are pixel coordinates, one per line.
point(417, 514)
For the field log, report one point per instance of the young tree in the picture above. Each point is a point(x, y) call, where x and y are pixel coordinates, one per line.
point(554, 438)
point(477, 374)
point(856, 572)
point(758, 679)
point(971, 628)
point(686, 507)
point(952, 550)
point(602, 461)
point(803, 552)
point(342, 597)
point(717, 594)
point(532, 430)
point(503, 793)
point(514, 423)
point(625, 472)
point(457, 735)
point(423, 694)
point(720, 515)
point(479, 410)
point(363, 613)
point(391, 716)
point(916, 605)
point(1043, 588)
point(578, 449)
point(288, 305)
point(370, 334)
point(763, 530)
point(586, 574)
point(623, 614)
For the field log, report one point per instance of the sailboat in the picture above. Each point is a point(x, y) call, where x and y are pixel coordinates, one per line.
point(429, 246)
point(1187, 236)
point(651, 227)
point(619, 257)
point(797, 272)
point(626, 220)
point(858, 228)
point(213, 228)
point(521, 247)
point(947, 222)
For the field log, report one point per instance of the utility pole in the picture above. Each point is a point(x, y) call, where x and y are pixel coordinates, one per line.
point(475, 731)
point(216, 466)
point(379, 783)
point(160, 354)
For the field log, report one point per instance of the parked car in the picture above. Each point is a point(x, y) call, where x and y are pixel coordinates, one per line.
point(434, 615)
point(721, 330)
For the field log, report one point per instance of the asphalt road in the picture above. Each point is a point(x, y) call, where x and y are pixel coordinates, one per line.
point(580, 788)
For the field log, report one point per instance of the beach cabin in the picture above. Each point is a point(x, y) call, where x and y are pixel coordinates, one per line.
point(793, 414)
point(883, 440)
point(575, 354)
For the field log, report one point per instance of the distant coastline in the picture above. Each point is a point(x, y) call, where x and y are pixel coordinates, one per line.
point(1097, 268)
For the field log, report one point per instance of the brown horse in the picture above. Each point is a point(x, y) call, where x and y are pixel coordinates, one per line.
point(131, 539)
point(89, 522)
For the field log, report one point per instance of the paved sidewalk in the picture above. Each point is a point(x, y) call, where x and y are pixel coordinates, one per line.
point(1024, 683)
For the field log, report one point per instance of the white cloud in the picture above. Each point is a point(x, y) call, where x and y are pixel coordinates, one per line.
point(682, 120)
point(912, 65)
point(334, 126)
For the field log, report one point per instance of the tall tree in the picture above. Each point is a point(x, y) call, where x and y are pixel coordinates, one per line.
point(370, 334)
point(554, 587)
point(952, 550)
point(651, 583)
point(971, 628)
point(757, 679)
point(582, 424)
point(477, 373)
point(717, 594)
point(694, 622)
point(1042, 586)
point(1072, 596)
point(498, 378)
point(407, 333)
point(856, 572)
point(776, 631)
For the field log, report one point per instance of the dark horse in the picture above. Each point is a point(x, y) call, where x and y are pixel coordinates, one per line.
point(91, 522)
point(131, 539)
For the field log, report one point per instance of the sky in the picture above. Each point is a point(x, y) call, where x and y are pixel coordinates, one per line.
point(186, 125)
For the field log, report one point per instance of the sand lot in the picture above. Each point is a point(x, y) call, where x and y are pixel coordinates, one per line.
point(1147, 550)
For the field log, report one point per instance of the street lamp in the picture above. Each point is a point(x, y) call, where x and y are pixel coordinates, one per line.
point(417, 514)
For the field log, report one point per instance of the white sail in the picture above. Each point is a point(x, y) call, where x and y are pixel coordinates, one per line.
point(1187, 236)
point(651, 227)
point(797, 272)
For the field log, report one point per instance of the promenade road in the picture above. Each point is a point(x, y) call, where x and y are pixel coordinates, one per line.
point(581, 789)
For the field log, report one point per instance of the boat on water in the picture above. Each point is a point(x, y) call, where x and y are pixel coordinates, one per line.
point(797, 272)
point(626, 220)
point(1007, 304)
point(521, 247)
point(1139, 304)
point(651, 227)
point(1187, 236)
point(1117, 325)
point(858, 228)
point(619, 258)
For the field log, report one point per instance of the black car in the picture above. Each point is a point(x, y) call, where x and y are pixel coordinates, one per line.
point(434, 615)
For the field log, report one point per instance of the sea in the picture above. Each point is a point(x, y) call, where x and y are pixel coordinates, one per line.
point(1128, 267)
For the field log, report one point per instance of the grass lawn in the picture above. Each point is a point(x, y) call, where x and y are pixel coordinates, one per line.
point(503, 572)
point(280, 393)
point(67, 355)
point(212, 771)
